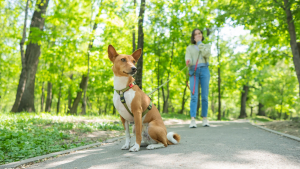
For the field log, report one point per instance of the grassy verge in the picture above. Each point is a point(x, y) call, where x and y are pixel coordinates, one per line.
point(175, 116)
point(283, 126)
point(256, 119)
point(27, 135)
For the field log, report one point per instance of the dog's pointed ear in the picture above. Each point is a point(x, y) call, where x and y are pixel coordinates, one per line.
point(137, 54)
point(112, 53)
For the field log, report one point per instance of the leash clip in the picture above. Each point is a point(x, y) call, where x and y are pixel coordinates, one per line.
point(131, 85)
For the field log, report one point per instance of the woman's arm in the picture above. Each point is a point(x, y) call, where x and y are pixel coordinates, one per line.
point(205, 50)
point(188, 56)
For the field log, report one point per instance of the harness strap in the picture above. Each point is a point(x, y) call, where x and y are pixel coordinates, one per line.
point(126, 88)
point(148, 108)
point(122, 98)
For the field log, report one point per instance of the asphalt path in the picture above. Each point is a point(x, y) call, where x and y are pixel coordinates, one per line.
point(223, 145)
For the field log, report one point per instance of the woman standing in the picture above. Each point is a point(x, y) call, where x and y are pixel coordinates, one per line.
point(197, 57)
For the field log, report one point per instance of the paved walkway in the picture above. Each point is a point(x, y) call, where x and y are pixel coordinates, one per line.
point(223, 145)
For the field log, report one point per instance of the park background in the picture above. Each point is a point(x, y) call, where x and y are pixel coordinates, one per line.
point(54, 62)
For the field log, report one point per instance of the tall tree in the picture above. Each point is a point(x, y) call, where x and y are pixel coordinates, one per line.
point(79, 94)
point(49, 97)
point(139, 74)
point(23, 76)
point(90, 46)
point(273, 20)
point(133, 29)
point(43, 97)
point(293, 38)
point(30, 61)
point(244, 95)
point(219, 78)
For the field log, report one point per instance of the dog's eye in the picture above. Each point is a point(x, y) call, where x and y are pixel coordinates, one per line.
point(123, 60)
point(134, 61)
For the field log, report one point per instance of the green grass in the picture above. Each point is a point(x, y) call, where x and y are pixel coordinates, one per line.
point(261, 119)
point(27, 135)
point(187, 117)
point(175, 116)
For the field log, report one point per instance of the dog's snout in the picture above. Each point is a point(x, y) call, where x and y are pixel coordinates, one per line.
point(133, 69)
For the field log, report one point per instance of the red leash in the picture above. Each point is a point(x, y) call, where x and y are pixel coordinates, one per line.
point(194, 78)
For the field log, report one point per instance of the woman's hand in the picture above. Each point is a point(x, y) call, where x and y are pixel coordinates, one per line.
point(187, 62)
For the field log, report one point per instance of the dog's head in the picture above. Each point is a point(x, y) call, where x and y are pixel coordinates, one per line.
point(124, 65)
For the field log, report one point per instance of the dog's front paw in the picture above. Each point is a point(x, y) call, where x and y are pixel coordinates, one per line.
point(135, 148)
point(126, 147)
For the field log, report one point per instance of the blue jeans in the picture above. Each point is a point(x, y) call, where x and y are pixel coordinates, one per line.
point(202, 74)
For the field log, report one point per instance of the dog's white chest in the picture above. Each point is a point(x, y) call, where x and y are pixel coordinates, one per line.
point(129, 95)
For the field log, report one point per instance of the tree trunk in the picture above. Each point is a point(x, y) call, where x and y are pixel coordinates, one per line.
point(163, 94)
point(166, 104)
point(183, 101)
point(83, 111)
point(43, 97)
point(139, 74)
point(219, 78)
point(243, 101)
point(99, 105)
point(261, 112)
point(105, 108)
point(49, 97)
point(79, 94)
point(70, 96)
point(114, 110)
point(58, 100)
point(158, 78)
point(282, 97)
point(293, 39)
point(23, 76)
point(88, 54)
point(219, 91)
point(212, 102)
point(133, 30)
point(33, 51)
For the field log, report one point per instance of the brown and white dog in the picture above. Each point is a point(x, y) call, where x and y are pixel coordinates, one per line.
point(150, 128)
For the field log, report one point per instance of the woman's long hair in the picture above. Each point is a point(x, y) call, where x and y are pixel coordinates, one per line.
point(193, 34)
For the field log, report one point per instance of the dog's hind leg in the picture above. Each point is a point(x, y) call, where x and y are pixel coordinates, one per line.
point(126, 146)
point(158, 134)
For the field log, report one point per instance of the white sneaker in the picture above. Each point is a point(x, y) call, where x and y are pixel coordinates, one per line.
point(193, 124)
point(205, 123)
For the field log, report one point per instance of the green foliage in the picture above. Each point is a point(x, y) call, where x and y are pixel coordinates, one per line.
point(265, 64)
point(28, 135)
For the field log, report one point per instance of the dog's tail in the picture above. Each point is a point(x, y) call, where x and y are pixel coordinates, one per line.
point(173, 138)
